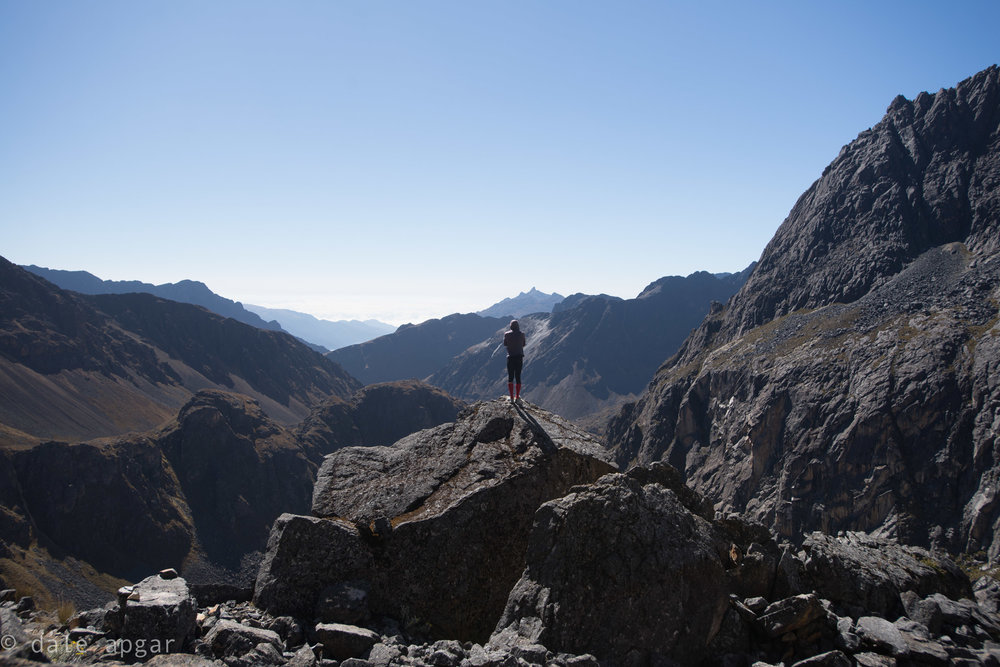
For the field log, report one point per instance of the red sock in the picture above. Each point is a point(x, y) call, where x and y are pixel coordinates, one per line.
point(510, 388)
point(519, 390)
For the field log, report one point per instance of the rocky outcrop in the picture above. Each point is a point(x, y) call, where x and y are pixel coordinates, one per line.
point(436, 525)
point(157, 615)
point(379, 414)
point(865, 575)
point(923, 177)
point(622, 570)
point(240, 635)
point(238, 471)
point(631, 569)
point(199, 493)
point(114, 505)
point(849, 384)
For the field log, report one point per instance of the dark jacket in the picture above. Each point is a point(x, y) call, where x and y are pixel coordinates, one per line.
point(514, 340)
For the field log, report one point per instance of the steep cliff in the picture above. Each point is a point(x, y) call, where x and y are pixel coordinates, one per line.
point(851, 383)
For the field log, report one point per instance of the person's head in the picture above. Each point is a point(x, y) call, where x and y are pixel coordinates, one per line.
point(514, 325)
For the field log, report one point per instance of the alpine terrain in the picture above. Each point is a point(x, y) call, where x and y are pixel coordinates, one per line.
point(851, 384)
point(811, 480)
point(592, 352)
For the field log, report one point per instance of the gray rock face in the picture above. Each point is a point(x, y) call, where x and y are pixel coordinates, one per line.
point(303, 555)
point(180, 660)
point(157, 610)
point(426, 472)
point(942, 615)
point(231, 639)
point(923, 177)
point(880, 636)
point(790, 614)
point(341, 641)
point(828, 659)
point(621, 569)
point(436, 525)
point(851, 383)
point(860, 573)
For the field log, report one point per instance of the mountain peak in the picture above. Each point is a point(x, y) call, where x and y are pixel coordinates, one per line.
point(865, 339)
point(525, 303)
point(902, 187)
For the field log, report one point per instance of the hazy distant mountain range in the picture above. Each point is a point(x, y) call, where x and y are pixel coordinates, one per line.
point(322, 335)
point(328, 333)
point(588, 354)
point(415, 350)
point(185, 291)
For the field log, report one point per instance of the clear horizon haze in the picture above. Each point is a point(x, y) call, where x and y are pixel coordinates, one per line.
point(402, 161)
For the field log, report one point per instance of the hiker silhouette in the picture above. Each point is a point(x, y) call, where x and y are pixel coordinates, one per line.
point(514, 340)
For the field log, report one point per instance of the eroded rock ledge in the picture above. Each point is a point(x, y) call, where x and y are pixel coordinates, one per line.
point(461, 561)
point(433, 528)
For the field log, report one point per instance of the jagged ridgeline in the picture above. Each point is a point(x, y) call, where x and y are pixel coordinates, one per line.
point(851, 383)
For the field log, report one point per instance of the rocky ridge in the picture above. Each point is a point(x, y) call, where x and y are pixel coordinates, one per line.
point(432, 529)
point(631, 568)
point(185, 291)
point(923, 177)
point(817, 400)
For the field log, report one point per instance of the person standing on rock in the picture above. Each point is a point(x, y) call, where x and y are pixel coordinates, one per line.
point(514, 340)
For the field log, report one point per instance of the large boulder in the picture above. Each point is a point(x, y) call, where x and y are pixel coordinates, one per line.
point(305, 554)
point(231, 639)
point(624, 570)
point(860, 572)
point(435, 525)
point(157, 615)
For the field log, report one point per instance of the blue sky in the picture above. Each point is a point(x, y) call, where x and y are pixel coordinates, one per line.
point(407, 160)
